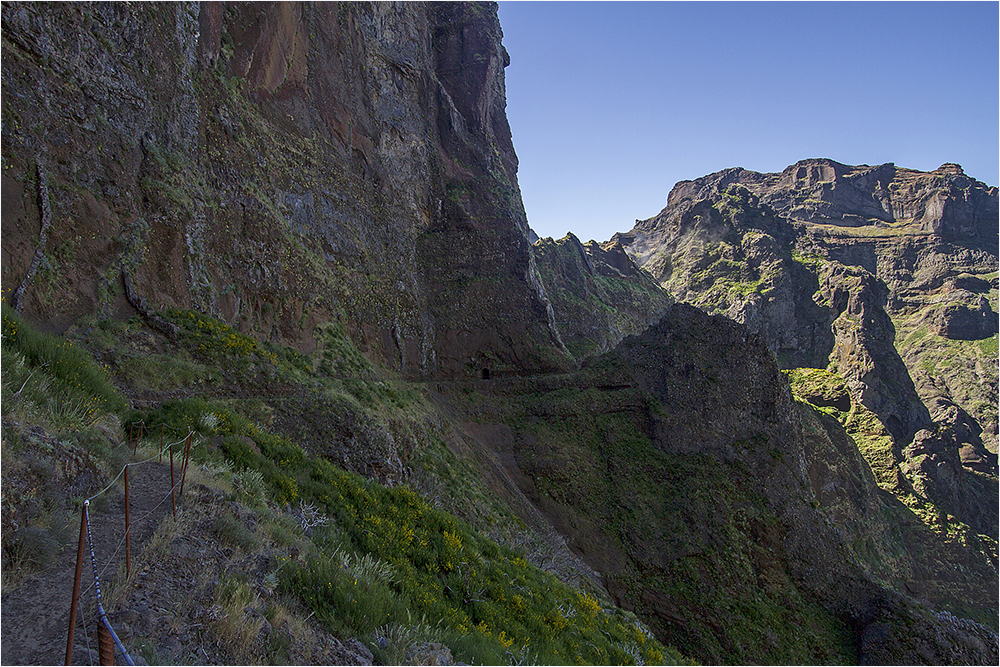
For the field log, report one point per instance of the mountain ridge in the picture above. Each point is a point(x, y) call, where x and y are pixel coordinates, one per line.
point(769, 250)
point(294, 231)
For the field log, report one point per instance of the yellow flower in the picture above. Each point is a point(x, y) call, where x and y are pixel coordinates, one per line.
point(588, 604)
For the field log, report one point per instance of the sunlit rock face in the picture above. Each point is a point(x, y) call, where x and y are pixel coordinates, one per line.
point(598, 293)
point(886, 275)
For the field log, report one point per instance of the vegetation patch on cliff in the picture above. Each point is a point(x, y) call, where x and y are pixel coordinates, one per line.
point(684, 540)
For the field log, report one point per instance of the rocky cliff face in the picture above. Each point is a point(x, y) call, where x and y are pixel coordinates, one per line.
point(723, 511)
point(887, 275)
point(340, 176)
point(599, 295)
point(286, 167)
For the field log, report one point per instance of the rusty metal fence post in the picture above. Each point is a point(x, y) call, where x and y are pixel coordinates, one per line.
point(76, 584)
point(128, 531)
point(105, 645)
point(184, 466)
point(173, 500)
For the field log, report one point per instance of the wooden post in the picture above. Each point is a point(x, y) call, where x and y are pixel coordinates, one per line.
point(184, 466)
point(135, 445)
point(128, 540)
point(76, 584)
point(173, 500)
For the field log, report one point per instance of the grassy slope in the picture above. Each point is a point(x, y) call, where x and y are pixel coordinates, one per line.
point(371, 561)
point(384, 562)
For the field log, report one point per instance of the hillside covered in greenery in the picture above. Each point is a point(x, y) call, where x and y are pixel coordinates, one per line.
point(272, 261)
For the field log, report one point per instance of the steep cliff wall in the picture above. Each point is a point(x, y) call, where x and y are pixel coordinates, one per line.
point(285, 167)
point(598, 293)
point(887, 275)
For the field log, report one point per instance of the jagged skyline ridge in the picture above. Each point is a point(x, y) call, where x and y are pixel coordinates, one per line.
point(610, 104)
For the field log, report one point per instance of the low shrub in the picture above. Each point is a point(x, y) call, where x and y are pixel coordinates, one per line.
point(233, 621)
point(30, 550)
point(249, 485)
point(231, 531)
point(215, 340)
point(343, 598)
point(386, 556)
point(490, 603)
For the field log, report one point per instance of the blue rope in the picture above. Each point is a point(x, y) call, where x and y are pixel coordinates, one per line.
point(97, 588)
point(93, 558)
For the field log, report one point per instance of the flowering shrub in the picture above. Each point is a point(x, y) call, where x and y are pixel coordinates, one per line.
point(384, 556)
point(489, 602)
point(215, 339)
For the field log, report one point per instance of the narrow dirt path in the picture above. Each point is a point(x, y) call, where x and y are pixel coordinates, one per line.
point(35, 619)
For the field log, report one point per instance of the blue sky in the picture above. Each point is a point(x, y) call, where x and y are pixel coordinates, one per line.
point(611, 103)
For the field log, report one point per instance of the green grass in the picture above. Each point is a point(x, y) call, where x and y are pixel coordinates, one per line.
point(385, 557)
point(389, 557)
point(54, 372)
point(56, 384)
point(63, 414)
point(231, 531)
point(487, 598)
point(989, 348)
point(966, 368)
point(811, 260)
point(824, 388)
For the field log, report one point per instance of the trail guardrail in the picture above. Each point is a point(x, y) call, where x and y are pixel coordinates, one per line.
point(109, 644)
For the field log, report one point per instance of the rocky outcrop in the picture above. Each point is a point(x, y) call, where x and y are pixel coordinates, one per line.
point(886, 274)
point(279, 166)
point(949, 470)
point(721, 510)
point(864, 350)
point(599, 296)
point(893, 529)
point(944, 202)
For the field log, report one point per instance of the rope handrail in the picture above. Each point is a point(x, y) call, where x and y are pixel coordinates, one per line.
point(136, 463)
point(177, 429)
point(97, 588)
point(85, 528)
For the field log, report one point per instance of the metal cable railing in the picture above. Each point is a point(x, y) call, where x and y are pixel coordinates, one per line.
point(108, 641)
